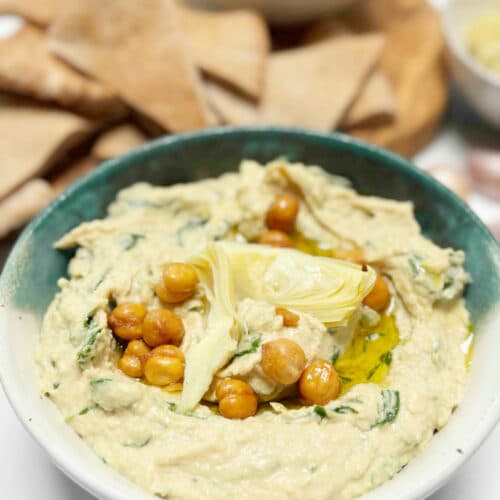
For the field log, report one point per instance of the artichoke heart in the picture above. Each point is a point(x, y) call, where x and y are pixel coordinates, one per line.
point(329, 289)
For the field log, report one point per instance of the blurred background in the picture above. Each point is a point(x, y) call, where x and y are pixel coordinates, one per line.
point(85, 81)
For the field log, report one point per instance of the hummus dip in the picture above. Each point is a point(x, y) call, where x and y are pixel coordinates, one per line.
point(401, 369)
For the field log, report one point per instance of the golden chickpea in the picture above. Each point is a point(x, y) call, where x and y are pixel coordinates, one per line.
point(177, 387)
point(276, 239)
point(289, 317)
point(163, 370)
point(236, 399)
point(283, 361)
point(319, 383)
point(126, 320)
point(282, 213)
point(379, 297)
point(169, 351)
point(137, 348)
point(180, 278)
point(162, 326)
point(355, 255)
point(131, 365)
point(169, 297)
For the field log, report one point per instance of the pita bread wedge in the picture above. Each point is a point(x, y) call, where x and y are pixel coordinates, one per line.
point(231, 46)
point(117, 141)
point(23, 204)
point(311, 86)
point(60, 180)
point(375, 104)
point(136, 48)
point(27, 67)
point(41, 12)
point(33, 138)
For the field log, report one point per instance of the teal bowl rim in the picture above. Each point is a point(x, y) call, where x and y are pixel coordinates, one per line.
point(346, 142)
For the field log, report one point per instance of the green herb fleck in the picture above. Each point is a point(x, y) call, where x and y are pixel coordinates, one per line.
point(414, 263)
point(335, 355)
point(85, 351)
point(98, 381)
point(130, 241)
point(139, 444)
point(171, 406)
point(344, 380)
point(56, 385)
point(111, 303)
point(388, 407)
point(88, 321)
point(53, 363)
point(331, 330)
point(386, 358)
point(196, 309)
point(254, 346)
point(373, 371)
point(320, 411)
point(345, 409)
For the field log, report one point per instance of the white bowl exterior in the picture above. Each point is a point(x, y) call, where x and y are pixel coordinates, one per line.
point(480, 86)
point(280, 12)
point(471, 423)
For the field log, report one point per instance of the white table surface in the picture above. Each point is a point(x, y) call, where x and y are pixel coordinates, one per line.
point(26, 472)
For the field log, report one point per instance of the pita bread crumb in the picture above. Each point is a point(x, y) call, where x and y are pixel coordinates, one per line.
point(28, 68)
point(375, 104)
point(312, 86)
point(231, 46)
point(23, 204)
point(33, 138)
point(137, 49)
point(118, 141)
point(41, 12)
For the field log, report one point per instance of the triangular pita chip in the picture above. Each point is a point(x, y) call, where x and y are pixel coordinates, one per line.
point(27, 67)
point(23, 204)
point(61, 179)
point(375, 104)
point(41, 12)
point(231, 46)
point(33, 138)
point(118, 141)
point(137, 49)
point(311, 86)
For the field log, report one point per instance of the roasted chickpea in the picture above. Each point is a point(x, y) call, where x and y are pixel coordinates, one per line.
point(169, 351)
point(379, 297)
point(169, 297)
point(180, 278)
point(163, 370)
point(289, 317)
point(236, 399)
point(282, 213)
point(283, 361)
point(276, 239)
point(355, 255)
point(137, 348)
point(131, 365)
point(319, 383)
point(162, 326)
point(126, 320)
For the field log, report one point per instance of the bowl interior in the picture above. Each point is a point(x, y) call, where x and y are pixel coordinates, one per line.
point(29, 282)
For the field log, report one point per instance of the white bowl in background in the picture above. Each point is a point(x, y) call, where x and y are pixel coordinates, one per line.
point(279, 12)
point(480, 86)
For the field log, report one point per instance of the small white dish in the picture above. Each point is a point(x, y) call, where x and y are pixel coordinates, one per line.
point(479, 86)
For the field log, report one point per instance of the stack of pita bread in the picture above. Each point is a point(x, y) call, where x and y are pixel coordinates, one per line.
point(83, 81)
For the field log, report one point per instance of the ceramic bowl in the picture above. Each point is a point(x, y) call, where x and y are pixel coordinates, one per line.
point(28, 284)
point(280, 12)
point(479, 86)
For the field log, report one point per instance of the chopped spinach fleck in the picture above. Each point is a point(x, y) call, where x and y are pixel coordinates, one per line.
point(196, 309)
point(373, 371)
point(331, 330)
point(53, 364)
point(56, 385)
point(344, 380)
point(97, 381)
point(253, 348)
point(414, 263)
point(82, 412)
point(345, 409)
point(139, 444)
point(335, 354)
point(388, 407)
point(82, 356)
point(130, 240)
point(189, 226)
point(320, 411)
point(386, 358)
point(171, 406)
point(111, 303)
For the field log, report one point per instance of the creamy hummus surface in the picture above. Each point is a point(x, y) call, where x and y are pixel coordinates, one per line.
point(401, 370)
